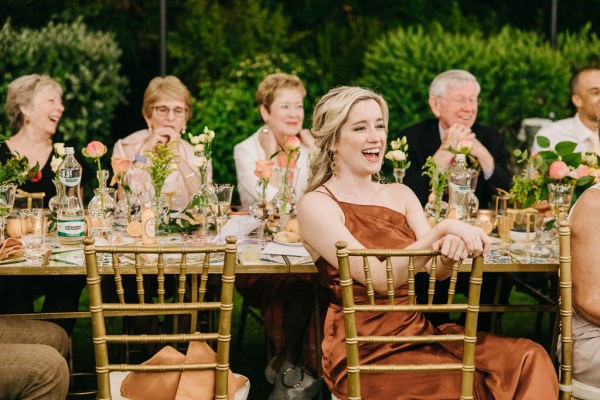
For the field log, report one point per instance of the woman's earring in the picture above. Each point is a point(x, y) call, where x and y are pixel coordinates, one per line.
point(264, 130)
point(335, 168)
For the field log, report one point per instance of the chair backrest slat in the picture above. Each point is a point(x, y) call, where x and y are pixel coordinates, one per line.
point(471, 307)
point(566, 310)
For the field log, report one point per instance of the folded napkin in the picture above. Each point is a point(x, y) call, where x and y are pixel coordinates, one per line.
point(189, 385)
point(11, 248)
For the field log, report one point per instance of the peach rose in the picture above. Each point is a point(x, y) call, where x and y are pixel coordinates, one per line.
point(558, 170)
point(94, 149)
point(264, 169)
point(580, 172)
point(292, 143)
point(120, 165)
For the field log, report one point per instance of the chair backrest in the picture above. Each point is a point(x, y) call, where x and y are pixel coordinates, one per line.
point(566, 311)
point(156, 263)
point(471, 308)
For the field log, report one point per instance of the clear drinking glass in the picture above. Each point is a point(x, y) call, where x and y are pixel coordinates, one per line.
point(7, 200)
point(33, 234)
point(219, 201)
point(559, 197)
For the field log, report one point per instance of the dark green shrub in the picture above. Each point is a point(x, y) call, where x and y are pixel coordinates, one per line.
point(86, 64)
point(229, 105)
point(520, 75)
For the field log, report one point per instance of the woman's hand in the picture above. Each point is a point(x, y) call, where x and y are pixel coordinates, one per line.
point(452, 247)
point(268, 142)
point(475, 239)
point(308, 140)
point(162, 135)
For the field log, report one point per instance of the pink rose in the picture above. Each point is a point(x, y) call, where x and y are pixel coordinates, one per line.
point(580, 172)
point(264, 169)
point(558, 170)
point(94, 149)
point(292, 143)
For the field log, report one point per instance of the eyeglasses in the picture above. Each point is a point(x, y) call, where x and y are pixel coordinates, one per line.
point(471, 101)
point(163, 111)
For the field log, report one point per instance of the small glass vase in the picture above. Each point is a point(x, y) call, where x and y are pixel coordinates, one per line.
point(473, 201)
point(399, 174)
point(56, 200)
point(435, 209)
point(261, 209)
point(128, 208)
point(199, 202)
point(101, 208)
point(160, 205)
point(284, 201)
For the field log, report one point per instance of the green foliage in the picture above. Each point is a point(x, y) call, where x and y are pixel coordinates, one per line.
point(521, 76)
point(213, 37)
point(16, 170)
point(228, 106)
point(86, 65)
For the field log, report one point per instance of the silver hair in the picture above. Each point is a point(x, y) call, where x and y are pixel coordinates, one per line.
point(452, 78)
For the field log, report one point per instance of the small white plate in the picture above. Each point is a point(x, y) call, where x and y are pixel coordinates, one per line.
point(297, 244)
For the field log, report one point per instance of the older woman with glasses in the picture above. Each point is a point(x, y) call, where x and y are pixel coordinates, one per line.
point(167, 108)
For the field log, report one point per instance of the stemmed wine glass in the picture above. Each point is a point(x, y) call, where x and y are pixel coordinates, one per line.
point(219, 201)
point(7, 200)
point(559, 197)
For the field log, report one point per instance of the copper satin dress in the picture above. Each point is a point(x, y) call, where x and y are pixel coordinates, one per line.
point(506, 368)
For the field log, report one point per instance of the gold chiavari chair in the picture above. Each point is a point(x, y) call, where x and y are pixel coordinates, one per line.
point(569, 387)
point(151, 262)
point(565, 311)
point(353, 340)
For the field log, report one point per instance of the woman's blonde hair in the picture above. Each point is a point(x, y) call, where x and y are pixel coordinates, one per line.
point(265, 94)
point(20, 94)
point(330, 114)
point(166, 87)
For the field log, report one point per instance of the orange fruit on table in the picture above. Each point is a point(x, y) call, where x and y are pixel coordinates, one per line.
point(134, 229)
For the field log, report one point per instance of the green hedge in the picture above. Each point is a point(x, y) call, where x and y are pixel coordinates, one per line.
point(228, 106)
point(86, 64)
point(521, 76)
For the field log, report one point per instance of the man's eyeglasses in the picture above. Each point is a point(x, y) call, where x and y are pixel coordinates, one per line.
point(163, 111)
point(471, 101)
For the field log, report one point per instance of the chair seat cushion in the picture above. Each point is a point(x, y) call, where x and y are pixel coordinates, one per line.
point(584, 391)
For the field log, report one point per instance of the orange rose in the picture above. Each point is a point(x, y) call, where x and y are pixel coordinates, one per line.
point(264, 169)
point(120, 166)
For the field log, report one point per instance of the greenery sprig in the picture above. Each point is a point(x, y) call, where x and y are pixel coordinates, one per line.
point(160, 164)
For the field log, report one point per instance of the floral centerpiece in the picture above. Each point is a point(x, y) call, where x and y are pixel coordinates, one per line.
point(398, 155)
point(263, 171)
point(464, 147)
point(120, 167)
point(160, 165)
point(102, 206)
point(203, 150)
point(16, 171)
point(560, 165)
point(435, 209)
point(286, 159)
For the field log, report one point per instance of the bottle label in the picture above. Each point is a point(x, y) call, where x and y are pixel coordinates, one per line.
point(460, 188)
point(71, 228)
point(74, 181)
point(150, 227)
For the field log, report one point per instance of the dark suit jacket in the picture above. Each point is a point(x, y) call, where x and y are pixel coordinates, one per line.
point(423, 141)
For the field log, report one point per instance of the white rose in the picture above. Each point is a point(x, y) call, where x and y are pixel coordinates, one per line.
point(398, 155)
point(195, 139)
point(202, 138)
point(199, 148)
point(59, 148)
point(55, 163)
point(395, 144)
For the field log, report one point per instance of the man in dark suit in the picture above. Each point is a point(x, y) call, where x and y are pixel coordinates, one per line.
point(454, 98)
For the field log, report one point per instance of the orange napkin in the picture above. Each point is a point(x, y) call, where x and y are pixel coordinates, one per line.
point(189, 385)
point(11, 248)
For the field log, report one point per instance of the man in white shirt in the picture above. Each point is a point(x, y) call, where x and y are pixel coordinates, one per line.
point(583, 127)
